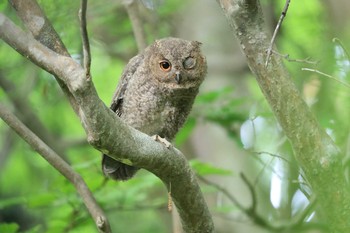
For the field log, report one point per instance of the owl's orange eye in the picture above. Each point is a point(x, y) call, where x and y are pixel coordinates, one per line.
point(165, 65)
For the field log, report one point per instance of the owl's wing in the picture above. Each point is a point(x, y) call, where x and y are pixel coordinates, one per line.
point(130, 69)
point(112, 168)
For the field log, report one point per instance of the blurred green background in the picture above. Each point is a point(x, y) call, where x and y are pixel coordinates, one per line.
point(230, 131)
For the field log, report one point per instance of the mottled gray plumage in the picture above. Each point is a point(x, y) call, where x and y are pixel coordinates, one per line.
point(156, 92)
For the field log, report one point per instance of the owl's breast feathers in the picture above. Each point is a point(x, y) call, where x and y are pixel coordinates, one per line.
point(154, 110)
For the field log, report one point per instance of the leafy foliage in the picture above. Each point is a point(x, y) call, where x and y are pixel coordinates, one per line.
point(204, 169)
point(9, 227)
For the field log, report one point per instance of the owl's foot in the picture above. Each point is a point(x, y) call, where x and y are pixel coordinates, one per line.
point(158, 138)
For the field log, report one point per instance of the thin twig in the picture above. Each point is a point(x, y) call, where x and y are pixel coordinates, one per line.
point(59, 164)
point(85, 37)
point(326, 75)
point(283, 15)
point(336, 40)
point(301, 217)
point(296, 222)
point(286, 56)
point(252, 192)
point(224, 191)
point(251, 211)
point(272, 155)
point(265, 165)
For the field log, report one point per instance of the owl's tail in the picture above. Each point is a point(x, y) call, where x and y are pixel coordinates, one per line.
point(117, 170)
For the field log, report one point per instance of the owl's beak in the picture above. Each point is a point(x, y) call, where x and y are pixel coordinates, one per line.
point(178, 77)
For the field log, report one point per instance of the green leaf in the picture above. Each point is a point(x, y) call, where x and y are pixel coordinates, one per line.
point(226, 209)
point(212, 96)
point(41, 200)
point(185, 132)
point(202, 168)
point(36, 229)
point(5, 202)
point(9, 227)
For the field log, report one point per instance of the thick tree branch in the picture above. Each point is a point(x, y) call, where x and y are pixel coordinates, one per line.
point(107, 133)
point(59, 164)
point(38, 24)
point(314, 149)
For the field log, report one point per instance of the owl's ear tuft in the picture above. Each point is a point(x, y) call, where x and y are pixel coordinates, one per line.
point(196, 43)
point(157, 43)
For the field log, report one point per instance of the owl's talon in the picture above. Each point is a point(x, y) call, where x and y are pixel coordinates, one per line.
point(158, 138)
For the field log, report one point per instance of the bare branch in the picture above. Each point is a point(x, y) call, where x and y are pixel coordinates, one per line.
point(296, 223)
point(61, 66)
point(59, 164)
point(251, 211)
point(326, 75)
point(85, 37)
point(286, 56)
point(137, 26)
point(283, 15)
point(6, 146)
point(39, 26)
point(224, 191)
point(42, 30)
point(252, 192)
point(336, 40)
point(271, 154)
point(28, 117)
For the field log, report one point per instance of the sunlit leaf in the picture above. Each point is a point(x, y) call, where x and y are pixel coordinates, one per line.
point(203, 168)
point(213, 95)
point(9, 227)
point(185, 132)
point(5, 202)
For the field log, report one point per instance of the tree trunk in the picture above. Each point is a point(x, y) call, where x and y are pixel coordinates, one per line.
point(314, 150)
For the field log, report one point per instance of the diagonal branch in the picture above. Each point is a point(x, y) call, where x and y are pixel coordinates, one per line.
point(40, 26)
point(59, 164)
point(296, 223)
point(137, 25)
point(28, 117)
point(85, 37)
point(283, 15)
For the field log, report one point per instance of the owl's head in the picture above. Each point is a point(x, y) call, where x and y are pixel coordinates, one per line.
point(176, 63)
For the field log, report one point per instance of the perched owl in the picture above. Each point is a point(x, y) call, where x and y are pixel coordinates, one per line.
point(156, 92)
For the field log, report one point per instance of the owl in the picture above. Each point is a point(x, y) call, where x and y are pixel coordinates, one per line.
point(155, 93)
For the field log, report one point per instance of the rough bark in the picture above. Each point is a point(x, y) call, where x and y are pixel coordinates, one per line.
point(40, 26)
point(314, 150)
